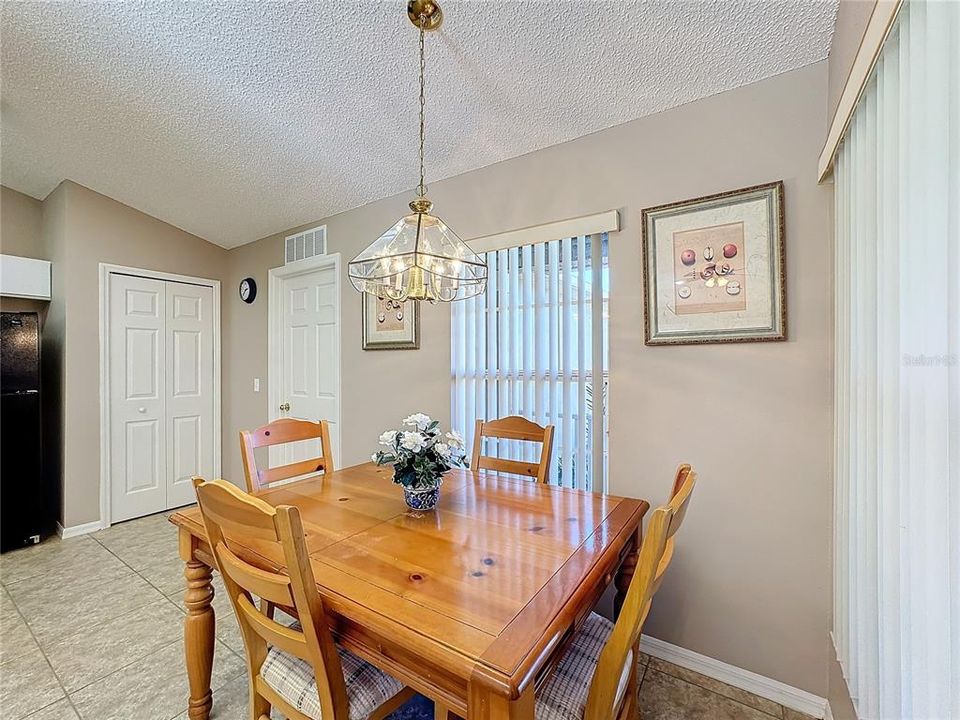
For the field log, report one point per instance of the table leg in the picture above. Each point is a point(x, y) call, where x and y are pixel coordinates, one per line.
point(198, 633)
point(484, 704)
point(625, 573)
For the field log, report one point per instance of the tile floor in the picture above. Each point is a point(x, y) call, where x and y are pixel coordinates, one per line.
point(92, 629)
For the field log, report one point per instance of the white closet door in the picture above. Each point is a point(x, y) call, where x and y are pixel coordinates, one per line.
point(137, 397)
point(189, 389)
point(161, 393)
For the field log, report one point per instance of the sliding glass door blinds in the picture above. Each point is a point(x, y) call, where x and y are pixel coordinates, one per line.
point(535, 345)
point(897, 538)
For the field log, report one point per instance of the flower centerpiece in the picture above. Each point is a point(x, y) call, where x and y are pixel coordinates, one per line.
point(420, 454)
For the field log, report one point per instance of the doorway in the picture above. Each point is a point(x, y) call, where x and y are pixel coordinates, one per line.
point(160, 389)
point(304, 365)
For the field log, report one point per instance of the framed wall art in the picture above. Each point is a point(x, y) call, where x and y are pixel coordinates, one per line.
point(390, 324)
point(713, 268)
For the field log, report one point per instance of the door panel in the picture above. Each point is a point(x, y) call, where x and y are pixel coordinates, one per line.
point(143, 471)
point(187, 447)
point(189, 363)
point(137, 396)
point(310, 358)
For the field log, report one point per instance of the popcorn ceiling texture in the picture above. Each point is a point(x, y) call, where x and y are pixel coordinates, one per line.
point(236, 120)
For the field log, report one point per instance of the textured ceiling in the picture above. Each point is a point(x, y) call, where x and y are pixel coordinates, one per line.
point(235, 120)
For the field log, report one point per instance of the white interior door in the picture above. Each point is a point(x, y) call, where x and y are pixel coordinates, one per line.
point(137, 396)
point(161, 393)
point(309, 356)
point(189, 370)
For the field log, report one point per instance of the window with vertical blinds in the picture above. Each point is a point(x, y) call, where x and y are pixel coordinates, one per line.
point(535, 344)
point(896, 621)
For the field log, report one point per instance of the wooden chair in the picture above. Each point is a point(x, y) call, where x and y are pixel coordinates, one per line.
point(597, 677)
point(297, 668)
point(514, 428)
point(279, 432)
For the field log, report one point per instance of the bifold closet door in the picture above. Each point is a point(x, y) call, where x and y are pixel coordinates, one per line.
point(138, 453)
point(189, 389)
point(161, 393)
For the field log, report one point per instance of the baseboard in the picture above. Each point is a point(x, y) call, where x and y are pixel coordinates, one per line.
point(76, 530)
point(778, 692)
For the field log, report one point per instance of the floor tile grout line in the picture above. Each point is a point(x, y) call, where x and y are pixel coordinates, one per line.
point(153, 652)
point(133, 569)
point(127, 611)
point(123, 667)
point(46, 659)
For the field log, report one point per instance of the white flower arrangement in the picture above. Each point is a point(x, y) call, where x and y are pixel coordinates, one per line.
point(422, 454)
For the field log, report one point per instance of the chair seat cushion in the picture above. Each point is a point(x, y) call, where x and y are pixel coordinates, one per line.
point(564, 696)
point(368, 687)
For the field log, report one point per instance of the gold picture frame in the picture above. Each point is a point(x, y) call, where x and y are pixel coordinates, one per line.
point(389, 324)
point(714, 268)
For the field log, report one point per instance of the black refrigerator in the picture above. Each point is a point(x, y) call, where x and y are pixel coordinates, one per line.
point(22, 513)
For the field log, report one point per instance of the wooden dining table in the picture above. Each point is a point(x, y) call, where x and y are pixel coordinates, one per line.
point(471, 604)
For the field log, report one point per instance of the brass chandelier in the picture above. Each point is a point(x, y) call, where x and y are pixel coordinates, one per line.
point(420, 258)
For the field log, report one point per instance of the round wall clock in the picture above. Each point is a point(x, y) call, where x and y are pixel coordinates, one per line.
point(248, 290)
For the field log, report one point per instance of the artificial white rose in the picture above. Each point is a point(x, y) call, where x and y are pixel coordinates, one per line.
point(455, 438)
point(388, 437)
point(374, 457)
point(412, 441)
point(419, 420)
point(443, 450)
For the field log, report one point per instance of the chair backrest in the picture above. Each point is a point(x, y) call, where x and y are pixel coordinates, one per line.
point(228, 512)
point(279, 432)
point(514, 428)
point(680, 481)
point(606, 689)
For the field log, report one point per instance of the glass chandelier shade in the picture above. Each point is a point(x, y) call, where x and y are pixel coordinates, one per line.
point(420, 258)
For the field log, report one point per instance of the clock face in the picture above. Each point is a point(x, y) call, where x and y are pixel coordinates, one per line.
point(248, 290)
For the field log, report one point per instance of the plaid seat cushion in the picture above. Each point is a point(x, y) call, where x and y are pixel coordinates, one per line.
point(367, 686)
point(564, 695)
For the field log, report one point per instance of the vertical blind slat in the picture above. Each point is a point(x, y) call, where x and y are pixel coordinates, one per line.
point(582, 354)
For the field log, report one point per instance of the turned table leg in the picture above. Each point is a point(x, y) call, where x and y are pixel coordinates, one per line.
point(625, 573)
point(198, 630)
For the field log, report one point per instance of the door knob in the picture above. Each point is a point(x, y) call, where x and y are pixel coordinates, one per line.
point(285, 407)
point(141, 410)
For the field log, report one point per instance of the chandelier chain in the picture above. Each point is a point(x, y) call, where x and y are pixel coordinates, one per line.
point(422, 188)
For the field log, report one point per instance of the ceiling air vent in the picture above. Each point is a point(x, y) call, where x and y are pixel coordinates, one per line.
point(305, 244)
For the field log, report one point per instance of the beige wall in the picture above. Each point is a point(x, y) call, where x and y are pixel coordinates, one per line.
point(852, 19)
point(20, 217)
point(96, 229)
point(54, 344)
point(750, 582)
point(245, 347)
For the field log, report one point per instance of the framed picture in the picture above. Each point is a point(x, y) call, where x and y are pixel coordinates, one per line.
point(713, 268)
point(389, 324)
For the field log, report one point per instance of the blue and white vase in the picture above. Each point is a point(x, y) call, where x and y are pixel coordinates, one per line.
point(422, 498)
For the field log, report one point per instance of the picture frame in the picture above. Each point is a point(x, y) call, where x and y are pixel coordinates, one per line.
point(714, 268)
point(390, 324)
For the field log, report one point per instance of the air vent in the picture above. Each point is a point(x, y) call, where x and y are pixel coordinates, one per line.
point(306, 244)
